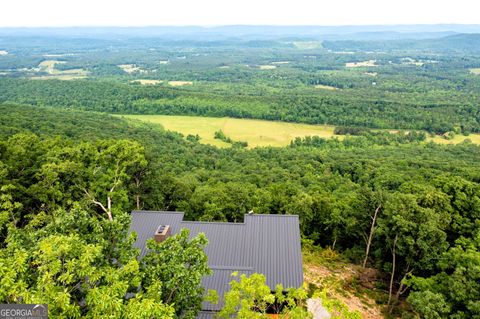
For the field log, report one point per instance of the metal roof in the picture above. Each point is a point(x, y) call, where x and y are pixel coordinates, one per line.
point(146, 223)
point(267, 244)
point(206, 315)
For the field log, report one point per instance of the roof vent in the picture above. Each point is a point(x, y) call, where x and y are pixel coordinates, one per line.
point(163, 231)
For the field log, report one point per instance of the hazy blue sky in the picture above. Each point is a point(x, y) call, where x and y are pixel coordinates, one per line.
point(222, 12)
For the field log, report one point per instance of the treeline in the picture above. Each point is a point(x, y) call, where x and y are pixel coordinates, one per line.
point(409, 209)
point(64, 241)
point(459, 43)
point(361, 138)
point(222, 137)
point(458, 113)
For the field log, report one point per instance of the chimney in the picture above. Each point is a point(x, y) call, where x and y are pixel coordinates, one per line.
point(163, 231)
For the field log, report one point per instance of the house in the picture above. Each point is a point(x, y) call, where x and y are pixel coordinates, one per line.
point(267, 244)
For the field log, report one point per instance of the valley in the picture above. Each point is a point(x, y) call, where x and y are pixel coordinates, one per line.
point(365, 141)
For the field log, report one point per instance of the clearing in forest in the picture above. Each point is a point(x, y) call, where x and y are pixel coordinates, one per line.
point(307, 45)
point(459, 138)
point(48, 66)
point(130, 68)
point(258, 132)
point(475, 71)
point(326, 87)
point(267, 67)
point(360, 64)
point(179, 83)
point(255, 132)
point(147, 82)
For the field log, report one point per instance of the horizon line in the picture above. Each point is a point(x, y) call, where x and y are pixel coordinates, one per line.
point(238, 25)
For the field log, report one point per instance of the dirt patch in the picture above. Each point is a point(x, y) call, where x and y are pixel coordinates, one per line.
point(368, 311)
point(338, 283)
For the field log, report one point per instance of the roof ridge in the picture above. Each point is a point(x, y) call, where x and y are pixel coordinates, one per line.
point(210, 223)
point(158, 211)
point(271, 215)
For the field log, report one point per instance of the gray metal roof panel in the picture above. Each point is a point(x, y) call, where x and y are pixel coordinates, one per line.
point(145, 223)
point(276, 249)
point(206, 315)
point(268, 244)
point(220, 281)
point(227, 242)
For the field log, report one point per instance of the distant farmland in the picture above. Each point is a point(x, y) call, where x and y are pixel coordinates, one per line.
point(258, 132)
point(475, 71)
point(255, 132)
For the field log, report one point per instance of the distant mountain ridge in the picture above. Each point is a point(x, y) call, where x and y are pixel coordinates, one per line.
point(352, 32)
point(458, 42)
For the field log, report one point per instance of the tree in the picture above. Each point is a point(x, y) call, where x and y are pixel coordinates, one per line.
point(59, 249)
point(110, 166)
point(455, 290)
point(179, 264)
point(369, 204)
point(250, 298)
point(73, 278)
point(72, 265)
point(414, 235)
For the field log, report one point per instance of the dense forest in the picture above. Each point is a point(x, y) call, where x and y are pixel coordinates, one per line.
point(70, 172)
point(287, 80)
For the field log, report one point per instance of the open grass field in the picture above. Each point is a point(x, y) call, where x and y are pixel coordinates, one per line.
point(129, 68)
point(179, 83)
point(64, 77)
point(307, 45)
point(326, 87)
point(475, 138)
point(475, 71)
point(255, 132)
point(267, 67)
point(147, 82)
point(258, 132)
point(368, 63)
point(48, 66)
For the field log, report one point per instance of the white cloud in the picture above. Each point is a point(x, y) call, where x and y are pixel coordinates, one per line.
point(224, 12)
